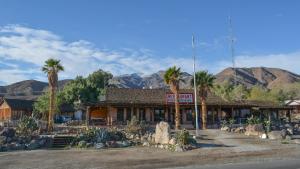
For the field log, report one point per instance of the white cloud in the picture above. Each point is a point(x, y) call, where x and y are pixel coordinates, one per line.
point(23, 51)
point(287, 61)
point(34, 46)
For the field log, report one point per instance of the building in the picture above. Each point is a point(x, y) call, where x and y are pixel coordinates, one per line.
point(295, 104)
point(154, 105)
point(14, 109)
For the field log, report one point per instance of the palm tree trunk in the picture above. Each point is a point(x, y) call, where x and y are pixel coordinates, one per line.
point(177, 111)
point(51, 109)
point(204, 113)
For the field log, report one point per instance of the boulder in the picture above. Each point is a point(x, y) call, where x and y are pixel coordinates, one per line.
point(99, 145)
point(254, 130)
point(179, 148)
point(275, 135)
point(82, 144)
point(2, 140)
point(284, 133)
point(172, 141)
point(162, 133)
point(263, 136)
point(296, 141)
point(8, 132)
point(146, 144)
point(34, 144)
point(225, 128)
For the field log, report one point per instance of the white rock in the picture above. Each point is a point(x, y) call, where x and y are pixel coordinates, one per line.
point(263, 136)
point(172, 141)
point(162, 133)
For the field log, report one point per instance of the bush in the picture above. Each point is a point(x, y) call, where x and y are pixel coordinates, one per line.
point(136, 127)
point(253, 120)
point(27, 126)
point(224, 123)
point(182, 137)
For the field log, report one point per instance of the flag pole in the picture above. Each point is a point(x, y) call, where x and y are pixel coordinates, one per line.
point(195, 89)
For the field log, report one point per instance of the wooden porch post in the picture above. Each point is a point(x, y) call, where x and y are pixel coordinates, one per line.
point(87, 116)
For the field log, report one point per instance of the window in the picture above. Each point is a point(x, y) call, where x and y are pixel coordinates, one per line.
point(189, 114)
point(120, 114)
point(159, 115)
point(142, 114)
point(128, 114)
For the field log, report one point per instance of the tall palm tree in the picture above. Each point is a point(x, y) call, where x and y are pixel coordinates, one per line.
point(51, 68)
point(172, 78)
point(204, 83)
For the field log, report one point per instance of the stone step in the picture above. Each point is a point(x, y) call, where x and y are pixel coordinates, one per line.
point(62, 141)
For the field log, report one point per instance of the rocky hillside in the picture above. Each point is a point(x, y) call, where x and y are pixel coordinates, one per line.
point(267, 77)
point(154, 80)
point(27, 89)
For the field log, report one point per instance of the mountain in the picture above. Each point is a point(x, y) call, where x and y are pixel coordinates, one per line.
point(263, 76)
point(266, 77)
point(155, 80)
point(27, 89)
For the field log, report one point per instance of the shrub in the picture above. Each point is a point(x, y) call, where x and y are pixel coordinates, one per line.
point(136, 127)
point(182, 137)
point(27, 126)
point(267, 125)
point(253, 120)
point(231, 122)
point(224, 123)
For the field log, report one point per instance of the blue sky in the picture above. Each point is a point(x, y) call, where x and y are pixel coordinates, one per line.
point(139, 36)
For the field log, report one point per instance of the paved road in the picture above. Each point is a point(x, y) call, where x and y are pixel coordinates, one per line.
point(270, 164)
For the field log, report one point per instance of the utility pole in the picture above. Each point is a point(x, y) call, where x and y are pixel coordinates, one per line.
point(195, 88)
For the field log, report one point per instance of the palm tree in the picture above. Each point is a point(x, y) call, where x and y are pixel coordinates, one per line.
point(204, 83)
point(172, 78)
point(51, 68)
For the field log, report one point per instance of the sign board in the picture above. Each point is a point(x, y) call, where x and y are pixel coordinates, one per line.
point(184, 98)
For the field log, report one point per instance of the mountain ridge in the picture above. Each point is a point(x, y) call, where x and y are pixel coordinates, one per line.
point(263, 76)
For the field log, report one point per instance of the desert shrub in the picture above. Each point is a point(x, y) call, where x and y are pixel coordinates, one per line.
point(253, 120)
point(182, 137)
point(224, 123)
point(231, 122)
point(135, 126)
point(267, 125)
point(27, 126)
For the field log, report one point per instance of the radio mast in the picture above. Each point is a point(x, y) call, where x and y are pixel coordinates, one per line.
point(231, 39)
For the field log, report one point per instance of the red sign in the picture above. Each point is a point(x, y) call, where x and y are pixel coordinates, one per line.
point(184, 98)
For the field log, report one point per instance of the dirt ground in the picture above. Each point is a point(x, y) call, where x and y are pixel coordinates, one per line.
point(216, 147)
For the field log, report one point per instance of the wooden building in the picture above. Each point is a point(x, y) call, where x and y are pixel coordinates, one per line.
point(14, 109)
point(154, 105)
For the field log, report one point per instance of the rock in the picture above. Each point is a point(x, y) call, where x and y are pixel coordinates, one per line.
point(296, 141)
point(179, 148)
point(225, 128)
point(99, 145)
point(9, 139)
point(275, 135)
point(162, 133)
point(33, 145)
point(284, 133)
point(288, 138)
point(125, 143)
point(42, 142)
point(254, 130)
point(263, 136)
point(8, 132)
point(161, 146)
point(2, 140)
point(172, 141)
point(146, 144)
point(290, 131)
point(82, 144)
